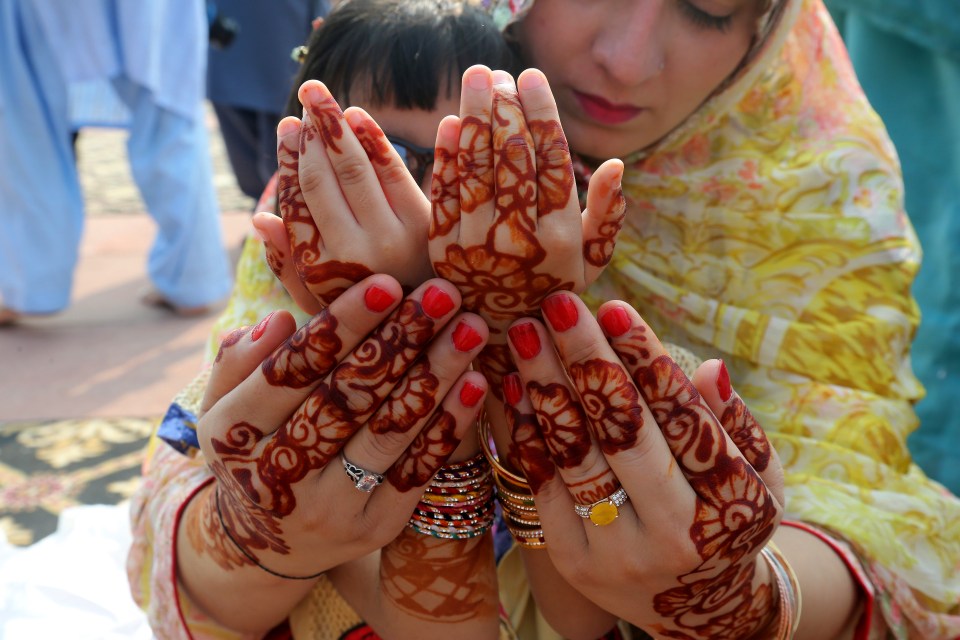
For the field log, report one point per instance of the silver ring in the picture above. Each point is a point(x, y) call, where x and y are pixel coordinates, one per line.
point(363, 480)
point(604, 511)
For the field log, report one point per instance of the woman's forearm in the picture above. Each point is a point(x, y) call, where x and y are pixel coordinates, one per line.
point(831, 598)
point(224, 585)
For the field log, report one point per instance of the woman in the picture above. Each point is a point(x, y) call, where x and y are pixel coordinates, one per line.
point(764, 225)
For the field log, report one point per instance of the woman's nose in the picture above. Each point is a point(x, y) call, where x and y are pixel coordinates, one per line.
point(630, 49)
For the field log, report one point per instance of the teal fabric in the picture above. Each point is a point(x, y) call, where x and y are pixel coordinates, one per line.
point(912, 78)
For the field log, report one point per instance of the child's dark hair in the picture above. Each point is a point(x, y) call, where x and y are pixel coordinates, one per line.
point(401, 53)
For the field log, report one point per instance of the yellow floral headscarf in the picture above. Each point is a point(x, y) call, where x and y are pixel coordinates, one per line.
point(768, 230)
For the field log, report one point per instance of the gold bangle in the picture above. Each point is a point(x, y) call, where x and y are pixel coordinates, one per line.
point(483, 433)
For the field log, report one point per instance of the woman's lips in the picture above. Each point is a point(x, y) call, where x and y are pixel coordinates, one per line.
point(605, 112)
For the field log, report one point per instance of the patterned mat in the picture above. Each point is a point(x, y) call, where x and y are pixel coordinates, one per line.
point(46, 467)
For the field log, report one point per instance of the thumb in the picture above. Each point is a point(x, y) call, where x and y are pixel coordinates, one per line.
point(603, 217)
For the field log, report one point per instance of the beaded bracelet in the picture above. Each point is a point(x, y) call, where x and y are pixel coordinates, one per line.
point(514, 495)
point(791, 603)
point(458, 504)
point(249, 555)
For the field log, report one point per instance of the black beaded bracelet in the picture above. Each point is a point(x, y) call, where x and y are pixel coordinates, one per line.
point(248, 555)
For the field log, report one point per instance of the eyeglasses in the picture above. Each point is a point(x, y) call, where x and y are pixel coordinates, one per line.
point(418, 159)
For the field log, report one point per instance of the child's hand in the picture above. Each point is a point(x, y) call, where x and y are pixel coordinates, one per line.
point(349, 204)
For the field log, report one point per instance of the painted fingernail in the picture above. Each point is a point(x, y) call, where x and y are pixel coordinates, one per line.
point(723, 382)
point(561, 312)
point(525, 340)
point(616, 322)
point(377, 299)
point(436, 302)
point(470, 394)
point(512, 388)
point(261, 327)
point(465, 337)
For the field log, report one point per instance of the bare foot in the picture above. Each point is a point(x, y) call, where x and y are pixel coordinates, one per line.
point(9, 317)
point(153, 298)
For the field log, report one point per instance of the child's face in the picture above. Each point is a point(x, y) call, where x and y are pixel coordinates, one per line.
point(417, 127)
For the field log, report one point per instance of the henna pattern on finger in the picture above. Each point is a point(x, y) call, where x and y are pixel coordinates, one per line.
point(410, 402)
point(374, 143)
point(444, 192)
point(611, 403)
point(562, 422)
point(475, 159)
point(428, 452)
point(527, 449)
point(307, 355)
point(514, 229)
point(593, 489)
point(327, 117)
point(555, 182)
point(230, 340)
point(440, 580)
point(599, 251)
point(747, 434)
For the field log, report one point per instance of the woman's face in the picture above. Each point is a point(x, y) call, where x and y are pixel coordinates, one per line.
point(627, 72)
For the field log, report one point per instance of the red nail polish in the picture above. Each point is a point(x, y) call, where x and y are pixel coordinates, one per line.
point(561, 312)
point(377, 299)
point(512, 388)
point(525, 339)
point(470, 394)
point(261, 327)
point(436, 303)
point(465, 337)
point(723, 382)
point(616, 322)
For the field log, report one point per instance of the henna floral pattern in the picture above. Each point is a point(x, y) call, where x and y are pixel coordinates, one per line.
point(734, 513)
point(308, 355)
point(428, 452)
point(528, 450)
point(610, 401)
point(562, 422)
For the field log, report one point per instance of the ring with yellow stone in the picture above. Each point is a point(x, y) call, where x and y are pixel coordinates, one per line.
point(604, 511)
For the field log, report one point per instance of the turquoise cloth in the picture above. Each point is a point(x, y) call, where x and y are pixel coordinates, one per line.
point(907, 57)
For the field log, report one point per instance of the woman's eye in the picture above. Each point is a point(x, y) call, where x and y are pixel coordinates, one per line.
point(705, 20)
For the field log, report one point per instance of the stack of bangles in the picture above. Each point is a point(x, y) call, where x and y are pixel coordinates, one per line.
point(514, 495)
point(785, 624)
point(458, 504)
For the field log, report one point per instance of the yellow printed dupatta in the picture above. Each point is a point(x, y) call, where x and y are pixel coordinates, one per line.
point(769, 230)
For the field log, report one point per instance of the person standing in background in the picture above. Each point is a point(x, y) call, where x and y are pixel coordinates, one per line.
point(148, 58)
point(907, 56)
point(249, 75)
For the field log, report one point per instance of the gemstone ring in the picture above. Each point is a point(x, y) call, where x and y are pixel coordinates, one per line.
point(363, 480)
point(603, 511)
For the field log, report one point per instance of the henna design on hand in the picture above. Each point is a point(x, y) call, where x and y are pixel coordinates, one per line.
point(325, 279)
point(426, 454)
point(611, 402)
point(440, 580)
point(307, 355)
point(411, 401)
point(747, 434)
point(527, 448)
point(555, 177)
point(562, 422)
point(734, 515)
point(230, 340)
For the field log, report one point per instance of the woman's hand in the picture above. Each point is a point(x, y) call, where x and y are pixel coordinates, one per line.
point(378, 380)
point(702, 495)
point(348, 202)
point(507, 227)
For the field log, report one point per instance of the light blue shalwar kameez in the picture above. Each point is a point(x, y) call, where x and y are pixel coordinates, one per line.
point(151, 54)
